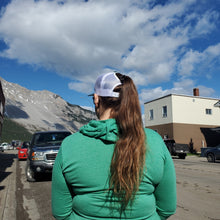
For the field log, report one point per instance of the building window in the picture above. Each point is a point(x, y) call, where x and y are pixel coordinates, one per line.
point(151, 114)
point(164, 111)
point(208, 111)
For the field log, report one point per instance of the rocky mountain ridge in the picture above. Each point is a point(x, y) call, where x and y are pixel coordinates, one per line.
point(42, 110)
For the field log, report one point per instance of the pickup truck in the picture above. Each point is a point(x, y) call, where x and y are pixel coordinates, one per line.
point(42, 152)
point(177, 149)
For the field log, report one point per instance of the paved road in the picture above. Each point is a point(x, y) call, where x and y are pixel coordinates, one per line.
point(33, 198)
point(198, 191)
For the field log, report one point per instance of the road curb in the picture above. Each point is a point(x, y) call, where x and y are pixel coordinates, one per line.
point(7, 193)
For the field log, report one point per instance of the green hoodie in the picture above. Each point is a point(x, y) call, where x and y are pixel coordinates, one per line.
point(81, 171)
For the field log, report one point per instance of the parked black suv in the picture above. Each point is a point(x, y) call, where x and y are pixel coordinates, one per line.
point(213, 154)
point(176, 149)
point(42, 152)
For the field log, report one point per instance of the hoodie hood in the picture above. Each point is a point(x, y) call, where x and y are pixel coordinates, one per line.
point(106, 130)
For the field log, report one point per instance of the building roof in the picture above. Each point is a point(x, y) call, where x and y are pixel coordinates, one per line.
point(197, 97)
point(217, 104)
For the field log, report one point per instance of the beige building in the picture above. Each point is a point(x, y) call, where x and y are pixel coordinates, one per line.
point(185, 119)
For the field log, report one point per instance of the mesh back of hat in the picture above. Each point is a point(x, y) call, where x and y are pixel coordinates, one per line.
point(106, 83)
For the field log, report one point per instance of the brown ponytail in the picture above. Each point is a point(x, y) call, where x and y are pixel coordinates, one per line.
point(129, 154)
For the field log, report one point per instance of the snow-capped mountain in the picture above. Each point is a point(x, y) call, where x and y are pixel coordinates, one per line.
point(42, 110)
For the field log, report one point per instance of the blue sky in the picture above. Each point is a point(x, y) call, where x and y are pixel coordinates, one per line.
point(62, 46)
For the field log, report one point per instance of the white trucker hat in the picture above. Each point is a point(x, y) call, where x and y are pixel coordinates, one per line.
point(106, 83)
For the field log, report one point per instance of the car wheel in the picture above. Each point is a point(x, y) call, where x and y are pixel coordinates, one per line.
point(30, 174)
point(182, 156)
point(210, 158)
point(170, 149)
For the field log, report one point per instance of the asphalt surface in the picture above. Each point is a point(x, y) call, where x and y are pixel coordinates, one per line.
point(8, 163)
point(197, 188)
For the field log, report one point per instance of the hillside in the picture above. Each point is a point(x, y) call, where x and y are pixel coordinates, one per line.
point(14, 131)
point(42, 110)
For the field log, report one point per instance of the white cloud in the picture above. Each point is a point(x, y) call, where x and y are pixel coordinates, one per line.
point(150, 94)
point(81, 39)
point(73, 39)
point(213, 51)
point(139, 79)
point(205, 92)
point(185, 87)
point(200, 61)
point(81, 87)
point(187, 63)
point(205, 23)
point(182, 87)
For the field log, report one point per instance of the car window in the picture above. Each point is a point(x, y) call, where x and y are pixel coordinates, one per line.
point(45, 139)
point(169, 141)
point(25, 145)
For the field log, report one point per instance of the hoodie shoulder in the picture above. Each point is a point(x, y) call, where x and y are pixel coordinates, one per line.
point(154, 140)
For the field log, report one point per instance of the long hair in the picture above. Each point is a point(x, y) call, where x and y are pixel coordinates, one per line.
point(128, 159)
